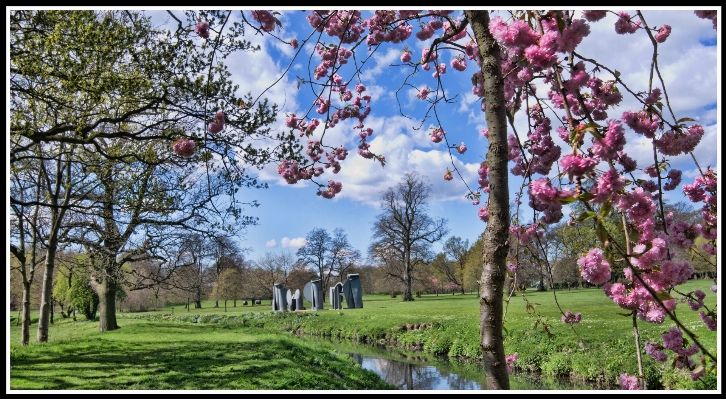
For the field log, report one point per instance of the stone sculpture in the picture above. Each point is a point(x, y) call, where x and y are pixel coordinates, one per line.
point(279, 297)
point(294, 301)
point(353, 292)
point(336, 292)
point(313, 292)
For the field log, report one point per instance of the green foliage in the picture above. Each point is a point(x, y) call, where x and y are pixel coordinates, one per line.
point(557, 364)
point(601, 349)
point(140, 356)
point(83, 297)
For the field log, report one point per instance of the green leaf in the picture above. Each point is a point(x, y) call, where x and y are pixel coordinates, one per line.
point(685, 120)
point(586, 196)
point(663, 296)
point(606, 208)
point(592, 125)
point(602, 234)
point(573, 137)
point(586, 215)
point(560, 21)
point(567, 200)
point(608, 254)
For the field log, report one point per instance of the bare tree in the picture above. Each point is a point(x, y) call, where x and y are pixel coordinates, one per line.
point(403, 233)
point(327, 255)
point(343, 257)
point(300, 275)
point(271, 269)
point(453, 263)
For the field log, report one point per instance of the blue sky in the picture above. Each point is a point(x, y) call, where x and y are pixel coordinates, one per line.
point(689, 62)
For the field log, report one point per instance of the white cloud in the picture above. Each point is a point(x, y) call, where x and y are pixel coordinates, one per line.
point(292, 243)
point(690, 76)
point(271, 244)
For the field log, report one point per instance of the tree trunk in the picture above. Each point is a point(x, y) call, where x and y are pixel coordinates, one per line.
point(198, 298)
point(495, 239)
point(44, 318)
point(25, 328)
point(407, 296)
point(107, 303)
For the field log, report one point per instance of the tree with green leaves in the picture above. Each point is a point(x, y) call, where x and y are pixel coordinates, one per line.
point(123, 91)
point(228, 286)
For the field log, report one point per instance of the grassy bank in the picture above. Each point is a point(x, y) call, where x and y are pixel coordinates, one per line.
point(150, 355)
point(253, 348)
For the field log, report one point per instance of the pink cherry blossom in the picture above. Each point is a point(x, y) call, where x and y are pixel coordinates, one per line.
point(437, 135)
point(423, 93)
point(406, 56)
point(202, 29)
point(594, 268)
point(663, 33)
point(594, 15)
point(183, 147)
point(571, 318)
point(628, 382)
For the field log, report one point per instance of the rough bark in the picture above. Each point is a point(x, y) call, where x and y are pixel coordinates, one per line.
point(407, 296)
point(25, 329)
point(106, 291)
point(495, 243)
point(47, 292)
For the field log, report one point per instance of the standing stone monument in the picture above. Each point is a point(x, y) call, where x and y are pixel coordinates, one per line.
point(279, 297)
point(336, 293)
point(353, 292)
point(294, 301)
point(313, 292)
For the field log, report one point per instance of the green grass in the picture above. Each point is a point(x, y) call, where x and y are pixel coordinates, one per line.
point(253, 348)
point(149, 355)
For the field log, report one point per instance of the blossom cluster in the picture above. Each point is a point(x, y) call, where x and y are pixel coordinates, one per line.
point(708, 14)
point(683, 353)
point(183, 147)
point(532, 49)
point(202, 29)
point(217, 124)
point(265, 18)
point(511, 360)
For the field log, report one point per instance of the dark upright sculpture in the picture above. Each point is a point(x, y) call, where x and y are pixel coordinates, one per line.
point(335, 296)
point(313, 292)
point(279, 297)
point(353, 292)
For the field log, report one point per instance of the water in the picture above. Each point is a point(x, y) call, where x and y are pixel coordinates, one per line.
point(412, 372)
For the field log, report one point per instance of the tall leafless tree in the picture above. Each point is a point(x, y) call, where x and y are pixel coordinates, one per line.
point(404, 232)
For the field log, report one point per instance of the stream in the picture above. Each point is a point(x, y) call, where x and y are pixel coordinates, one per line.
point(411, 372)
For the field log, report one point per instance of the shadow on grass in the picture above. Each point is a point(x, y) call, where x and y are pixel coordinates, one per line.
point(192, 362)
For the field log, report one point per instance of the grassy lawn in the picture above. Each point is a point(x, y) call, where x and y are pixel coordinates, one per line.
point(147, 355)
point(253, 348)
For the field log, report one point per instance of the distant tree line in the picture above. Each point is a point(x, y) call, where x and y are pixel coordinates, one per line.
point(399, 262)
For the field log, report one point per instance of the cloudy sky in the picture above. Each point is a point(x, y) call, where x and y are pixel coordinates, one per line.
point(689, 63)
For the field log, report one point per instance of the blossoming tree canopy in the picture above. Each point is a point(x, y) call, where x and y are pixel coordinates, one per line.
point(571, 121)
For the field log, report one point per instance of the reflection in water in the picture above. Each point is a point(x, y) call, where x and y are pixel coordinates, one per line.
point(411, 376)
point(411, 372)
